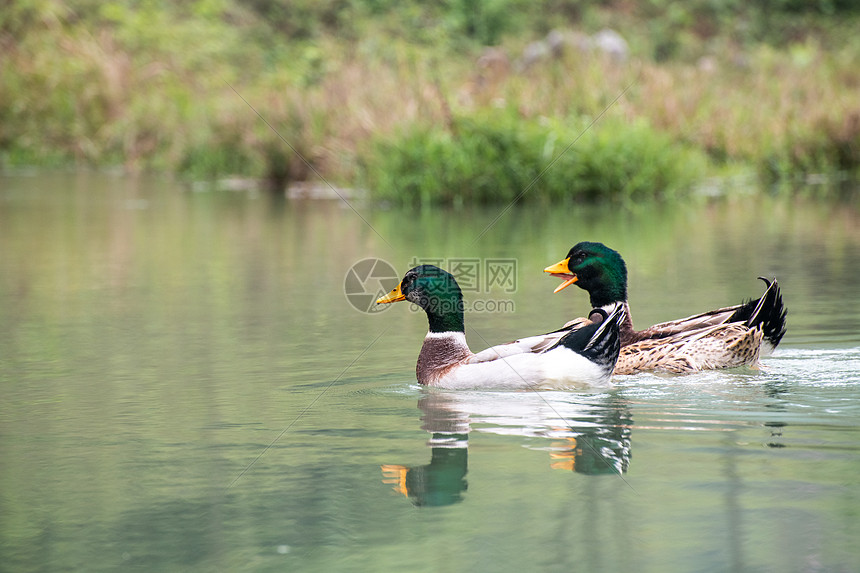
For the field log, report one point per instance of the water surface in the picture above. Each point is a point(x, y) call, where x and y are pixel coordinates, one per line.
point(187, 387)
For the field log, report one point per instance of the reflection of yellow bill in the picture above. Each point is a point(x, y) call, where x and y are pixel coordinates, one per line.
point(394, 474)
point(394, 296)
point(562, 270)
point(566, 457)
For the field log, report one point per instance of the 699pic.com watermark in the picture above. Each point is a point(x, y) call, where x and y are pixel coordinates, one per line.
point(486, 283)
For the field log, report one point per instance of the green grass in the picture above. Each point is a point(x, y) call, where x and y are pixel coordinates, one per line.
point(495, 157)
point(389, 94)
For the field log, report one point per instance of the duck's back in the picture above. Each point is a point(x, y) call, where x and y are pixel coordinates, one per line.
point(721, 346)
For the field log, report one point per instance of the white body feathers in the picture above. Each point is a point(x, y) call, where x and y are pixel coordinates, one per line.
point(513, 367)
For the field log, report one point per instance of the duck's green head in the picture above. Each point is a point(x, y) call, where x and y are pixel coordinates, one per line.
point(435, 291)
point(595, 268)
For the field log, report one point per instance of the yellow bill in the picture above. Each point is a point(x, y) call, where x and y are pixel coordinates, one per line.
point(565, 284)
point(393, 296)
point(562, 270)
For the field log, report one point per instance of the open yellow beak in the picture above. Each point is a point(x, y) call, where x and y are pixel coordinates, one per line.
point(562, 269)
point(393, 296)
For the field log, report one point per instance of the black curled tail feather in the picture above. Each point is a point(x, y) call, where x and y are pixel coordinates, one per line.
point(773, 313)
point(599, 342)
point(767, 311)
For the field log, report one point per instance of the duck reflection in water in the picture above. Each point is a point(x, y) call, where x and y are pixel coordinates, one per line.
point(590, 435)
point(443, 480)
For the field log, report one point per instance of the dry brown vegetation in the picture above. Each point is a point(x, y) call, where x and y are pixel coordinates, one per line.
point(205, 93)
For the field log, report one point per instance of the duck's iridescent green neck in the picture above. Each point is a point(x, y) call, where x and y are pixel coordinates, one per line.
point(447, 320)
point(601, 271)
point(612, 288)
point(435, 291)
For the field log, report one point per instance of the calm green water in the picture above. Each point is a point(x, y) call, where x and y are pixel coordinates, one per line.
point(186, 387)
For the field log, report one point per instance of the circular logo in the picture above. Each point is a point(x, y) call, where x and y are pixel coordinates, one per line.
point(366, 281)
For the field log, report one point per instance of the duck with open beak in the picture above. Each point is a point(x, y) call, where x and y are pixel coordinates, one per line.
point(562, 270)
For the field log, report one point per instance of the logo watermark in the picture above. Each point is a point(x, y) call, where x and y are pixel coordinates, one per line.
point(366, 281)
point(371, 278)
point(477, 274)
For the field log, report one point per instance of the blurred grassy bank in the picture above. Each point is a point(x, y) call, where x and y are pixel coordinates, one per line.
point(447, 102)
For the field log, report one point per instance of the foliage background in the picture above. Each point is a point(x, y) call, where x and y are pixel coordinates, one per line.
point(384, 94)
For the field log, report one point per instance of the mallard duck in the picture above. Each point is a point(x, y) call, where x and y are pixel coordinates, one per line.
point(722, 338)
point(584, 354)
